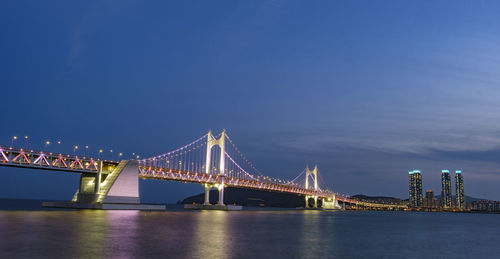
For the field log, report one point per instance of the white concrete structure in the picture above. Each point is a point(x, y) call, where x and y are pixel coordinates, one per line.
point(115, 190)
point(125, 188)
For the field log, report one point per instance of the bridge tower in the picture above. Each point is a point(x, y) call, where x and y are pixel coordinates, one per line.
point(313, 173)
point(211, 142)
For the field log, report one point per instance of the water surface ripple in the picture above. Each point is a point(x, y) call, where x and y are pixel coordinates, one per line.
point(247, 234)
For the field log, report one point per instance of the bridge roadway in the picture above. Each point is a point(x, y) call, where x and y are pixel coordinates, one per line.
point(17, 157)
point(202, 178)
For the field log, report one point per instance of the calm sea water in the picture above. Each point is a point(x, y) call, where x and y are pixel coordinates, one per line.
point(247, 234)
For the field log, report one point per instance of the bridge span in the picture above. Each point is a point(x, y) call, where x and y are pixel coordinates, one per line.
point(212, 161)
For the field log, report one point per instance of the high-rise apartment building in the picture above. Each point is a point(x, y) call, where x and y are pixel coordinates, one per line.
point(445, 189)
point(459, 190)
point(415, 189)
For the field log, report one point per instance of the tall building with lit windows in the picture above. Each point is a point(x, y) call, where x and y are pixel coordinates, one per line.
point(459, 190)
point(445, 189)
point(415, 189)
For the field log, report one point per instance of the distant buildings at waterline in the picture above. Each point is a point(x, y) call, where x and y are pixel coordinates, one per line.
point(417, 202)
point(485, 206)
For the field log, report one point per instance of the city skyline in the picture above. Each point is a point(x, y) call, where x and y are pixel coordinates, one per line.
point(446, 200)
point(363, 90)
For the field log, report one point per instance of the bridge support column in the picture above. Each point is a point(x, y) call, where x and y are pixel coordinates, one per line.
point(97, 184)
point(88, 188)
point(329, 203)
point(313, 173)
point(221, 192)
point(119, 190)
point(211, 141)
point(207, 194)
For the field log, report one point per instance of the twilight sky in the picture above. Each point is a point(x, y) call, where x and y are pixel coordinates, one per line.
point(366, 89)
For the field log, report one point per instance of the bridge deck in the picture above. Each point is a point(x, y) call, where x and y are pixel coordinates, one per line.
point(201, 178)
point(17, 157)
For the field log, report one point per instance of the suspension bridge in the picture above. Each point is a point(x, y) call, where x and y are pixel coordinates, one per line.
point(215, 162)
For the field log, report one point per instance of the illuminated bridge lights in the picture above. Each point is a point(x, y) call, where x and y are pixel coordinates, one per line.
point(195, 177)
point(42, 160)
point(226, 166)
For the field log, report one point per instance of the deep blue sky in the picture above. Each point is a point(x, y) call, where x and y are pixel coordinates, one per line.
point(366, 89)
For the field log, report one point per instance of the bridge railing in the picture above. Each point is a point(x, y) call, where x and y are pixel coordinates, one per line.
point(202, 178)
point(19, 157)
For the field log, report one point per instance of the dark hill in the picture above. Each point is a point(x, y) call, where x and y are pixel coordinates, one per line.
point(253, 198)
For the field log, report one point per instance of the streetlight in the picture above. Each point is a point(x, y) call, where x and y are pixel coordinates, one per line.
point(47, 143)
point(86, 149)
point(59, 147)
point(12, 142)
point(27, 143)
point(74, 149)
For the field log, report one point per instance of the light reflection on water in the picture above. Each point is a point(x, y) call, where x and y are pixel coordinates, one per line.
point(89, 234)
point(211, 235)
point(246, 234)
point(122, 234)
point(310, 244)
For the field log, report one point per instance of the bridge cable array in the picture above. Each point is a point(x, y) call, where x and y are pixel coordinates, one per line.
point(192, 159)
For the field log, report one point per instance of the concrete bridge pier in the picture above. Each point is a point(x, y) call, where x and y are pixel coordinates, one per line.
point(117, 188)
point(330, 203)
point(221, 192)
point(88, 190)
point(206, 204)
point(220, 188)
point(315, 197)
point(208, 187)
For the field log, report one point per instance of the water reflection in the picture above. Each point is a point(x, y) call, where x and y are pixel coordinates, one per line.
point(246, 234)
point(309, 237)
point(122, 235)
point(318, 236)
point(43, 233)
point(89, 228)
point(212, 235)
